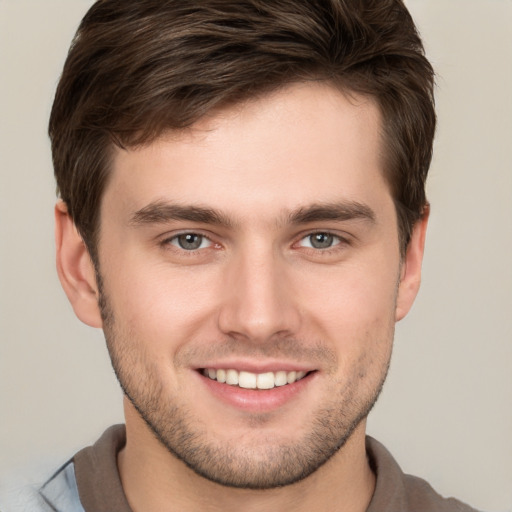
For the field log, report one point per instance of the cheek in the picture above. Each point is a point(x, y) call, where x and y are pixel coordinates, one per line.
point(350, 300)
point(159, 302)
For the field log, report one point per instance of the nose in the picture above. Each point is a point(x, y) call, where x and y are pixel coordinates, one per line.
point(259, 300)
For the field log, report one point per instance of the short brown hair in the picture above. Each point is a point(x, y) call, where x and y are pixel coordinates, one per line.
point(137, 68)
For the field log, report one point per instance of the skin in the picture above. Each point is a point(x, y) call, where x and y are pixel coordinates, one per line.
point(255, 295)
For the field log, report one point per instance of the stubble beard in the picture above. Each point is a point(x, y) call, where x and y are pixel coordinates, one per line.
point(261, 465)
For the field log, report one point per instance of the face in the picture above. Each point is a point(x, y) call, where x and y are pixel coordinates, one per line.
point(250, 269)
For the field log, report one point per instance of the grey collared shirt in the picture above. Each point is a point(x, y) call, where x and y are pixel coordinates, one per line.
point(90, 482)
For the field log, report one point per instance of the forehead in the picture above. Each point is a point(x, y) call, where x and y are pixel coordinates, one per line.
point(304, 143)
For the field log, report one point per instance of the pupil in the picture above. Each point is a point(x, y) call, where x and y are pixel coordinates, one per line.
point(190, 241)
point(321, 240)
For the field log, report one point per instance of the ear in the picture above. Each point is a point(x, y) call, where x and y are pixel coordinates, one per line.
point(410, 273)
point(75, 268)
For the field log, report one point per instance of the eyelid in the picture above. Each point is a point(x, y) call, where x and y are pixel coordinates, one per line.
point(175, 241)
point(342, 237)
point(336, 240)
point(168, 238)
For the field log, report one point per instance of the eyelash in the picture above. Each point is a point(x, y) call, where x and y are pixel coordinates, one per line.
point(340, 241)
point(189, 252)
point(336, 239)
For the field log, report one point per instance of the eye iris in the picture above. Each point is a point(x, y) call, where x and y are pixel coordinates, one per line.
point(190, 241)
point(321, 240)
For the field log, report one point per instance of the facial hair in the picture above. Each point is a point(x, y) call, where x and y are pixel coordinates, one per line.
point(263, 464)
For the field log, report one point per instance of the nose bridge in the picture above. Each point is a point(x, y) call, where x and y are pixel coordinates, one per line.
point(258, 302)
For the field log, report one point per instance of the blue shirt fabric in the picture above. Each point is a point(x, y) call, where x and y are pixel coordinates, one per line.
point(58, 494)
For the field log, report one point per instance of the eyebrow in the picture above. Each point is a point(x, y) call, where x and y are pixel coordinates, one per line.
point(160, 212)
point(340, 211)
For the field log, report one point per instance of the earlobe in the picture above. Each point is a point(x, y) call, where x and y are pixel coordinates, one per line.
point(75, 268)
point(410, 277)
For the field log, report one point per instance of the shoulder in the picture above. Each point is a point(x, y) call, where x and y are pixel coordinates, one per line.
point(396, 491)
point(420, 496)
point(58, 494)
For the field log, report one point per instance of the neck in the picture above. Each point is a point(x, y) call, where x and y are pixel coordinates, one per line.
point(156, 481)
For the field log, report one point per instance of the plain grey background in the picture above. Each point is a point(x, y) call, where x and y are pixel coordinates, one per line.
point(446, 410)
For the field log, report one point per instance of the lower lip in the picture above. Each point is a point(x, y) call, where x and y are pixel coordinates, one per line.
point(255, 400)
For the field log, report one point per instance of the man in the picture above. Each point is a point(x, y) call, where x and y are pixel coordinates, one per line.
point(243, 213)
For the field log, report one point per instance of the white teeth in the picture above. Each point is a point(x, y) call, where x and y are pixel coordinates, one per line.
point(249, 380)
point(265, 380)
point(232, 377)
point(280, 379)
point(291, 377)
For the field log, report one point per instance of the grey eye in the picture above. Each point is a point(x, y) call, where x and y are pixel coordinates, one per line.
point(190, 241)
point(320, 240)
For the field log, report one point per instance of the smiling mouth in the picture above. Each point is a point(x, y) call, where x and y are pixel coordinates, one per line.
point(249, 380)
